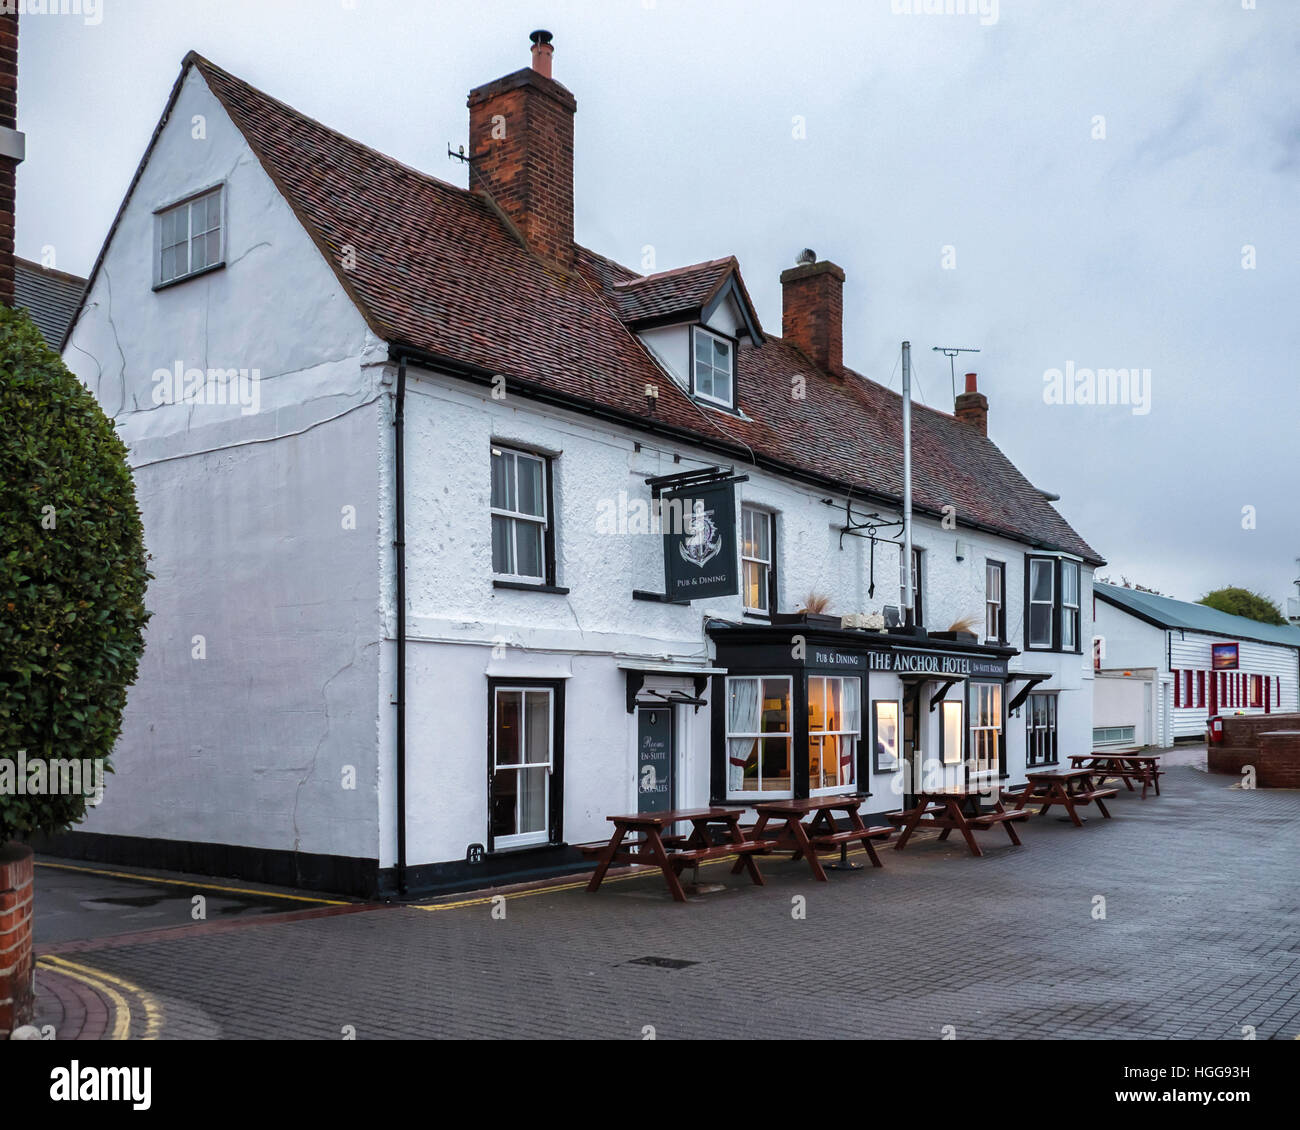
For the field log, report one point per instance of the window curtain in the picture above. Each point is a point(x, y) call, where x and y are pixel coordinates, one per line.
point(852, 707)
point(742, 718)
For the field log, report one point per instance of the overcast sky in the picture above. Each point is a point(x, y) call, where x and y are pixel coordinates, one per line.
point(879, 139)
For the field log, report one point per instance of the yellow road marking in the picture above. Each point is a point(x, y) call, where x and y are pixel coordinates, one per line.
point(121, 1010)
point(153, 1009)
point(647, 869)
point(198, 886)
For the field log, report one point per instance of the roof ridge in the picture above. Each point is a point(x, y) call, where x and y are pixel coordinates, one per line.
point(678, 271)
point(205, 63)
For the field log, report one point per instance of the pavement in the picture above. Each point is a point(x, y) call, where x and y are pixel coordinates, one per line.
point(1178, 918)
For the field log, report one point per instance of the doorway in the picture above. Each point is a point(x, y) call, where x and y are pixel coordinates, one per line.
point(656, 775)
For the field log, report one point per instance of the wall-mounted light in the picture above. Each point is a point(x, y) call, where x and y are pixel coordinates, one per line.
point(651, 397)
point(963, 550)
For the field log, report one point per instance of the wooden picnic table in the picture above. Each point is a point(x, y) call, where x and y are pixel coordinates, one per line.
point(671, 853)
point(1070, 788)
point(820, 834)
point(1145, 767)
point(956, 809)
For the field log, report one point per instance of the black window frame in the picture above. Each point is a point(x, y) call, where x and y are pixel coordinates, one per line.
point(916, 617)
point(1001, 568)
point(546, 583)
point(1003, 770)
point(1055, 729)
point(555, 801)
point(1058, 606)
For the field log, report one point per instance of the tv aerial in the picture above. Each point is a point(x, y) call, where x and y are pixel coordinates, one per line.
point(951, 352)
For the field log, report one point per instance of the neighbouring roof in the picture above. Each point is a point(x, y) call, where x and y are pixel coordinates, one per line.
point(1165, 612)
point(50, 297)
point(439, 271)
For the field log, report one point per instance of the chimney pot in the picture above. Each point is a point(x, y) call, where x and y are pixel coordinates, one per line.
point(972, 407)
point(542, 52)
point(521, 152)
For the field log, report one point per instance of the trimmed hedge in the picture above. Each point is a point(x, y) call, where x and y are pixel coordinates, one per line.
point(73, 574)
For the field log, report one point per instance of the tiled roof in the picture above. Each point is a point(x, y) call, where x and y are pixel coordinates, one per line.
point(671, 292)
point(437, 270)
point(1166, 612)
point(50, 297)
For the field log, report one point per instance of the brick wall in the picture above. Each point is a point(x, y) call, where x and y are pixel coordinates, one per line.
point(521, 149)
point(1243, 744)
point(16, 990)
point(8, 168)
point(812, 312)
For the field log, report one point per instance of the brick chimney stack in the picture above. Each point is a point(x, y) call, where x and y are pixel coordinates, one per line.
point(973, 406)
point(521, 152)
point(812, 310)
point(12, 148)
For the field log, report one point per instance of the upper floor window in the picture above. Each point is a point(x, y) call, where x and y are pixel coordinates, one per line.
point(757, 542)
point(189, 237)
point(522, 546)
point(995, 605)
point(1052, 604)
point(713, 368)
point(917, 618)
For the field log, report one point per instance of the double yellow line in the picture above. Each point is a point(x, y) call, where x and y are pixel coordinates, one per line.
point(116, 990)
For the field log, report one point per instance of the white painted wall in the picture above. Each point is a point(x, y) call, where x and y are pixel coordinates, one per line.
point(243, 517)
point(456, 615)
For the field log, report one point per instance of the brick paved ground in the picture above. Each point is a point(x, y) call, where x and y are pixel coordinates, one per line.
point(1201, 937)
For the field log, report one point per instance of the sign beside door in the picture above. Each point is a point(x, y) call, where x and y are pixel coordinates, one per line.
point(654, 758)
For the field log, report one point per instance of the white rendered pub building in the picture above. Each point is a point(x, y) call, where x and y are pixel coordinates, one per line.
point(414, 625)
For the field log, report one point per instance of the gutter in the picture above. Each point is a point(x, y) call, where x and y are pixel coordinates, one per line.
point(479, 375)
point(399, 549)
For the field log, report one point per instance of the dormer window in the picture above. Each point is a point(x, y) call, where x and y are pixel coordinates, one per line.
point(713, 368)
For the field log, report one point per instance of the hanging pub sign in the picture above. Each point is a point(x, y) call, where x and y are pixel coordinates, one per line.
point(700, 550)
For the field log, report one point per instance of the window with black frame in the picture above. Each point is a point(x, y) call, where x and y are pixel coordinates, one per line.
point(522, 533)
point(1040, 730)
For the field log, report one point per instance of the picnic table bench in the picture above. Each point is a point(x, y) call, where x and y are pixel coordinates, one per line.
point(1144, 767)
point(1070, 788)
point(820, 834)
point(957, 810)
point(671, 853)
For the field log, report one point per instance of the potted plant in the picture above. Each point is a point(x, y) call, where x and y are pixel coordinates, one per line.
point(962, 630)
point(73, 573)
point(813, 613)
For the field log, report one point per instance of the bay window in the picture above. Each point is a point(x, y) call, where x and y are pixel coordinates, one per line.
point(1052, 605)
point(759, 736)
point(834, 727)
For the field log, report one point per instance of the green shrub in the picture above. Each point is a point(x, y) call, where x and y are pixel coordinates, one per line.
point(73, 573)
point(1243, 602)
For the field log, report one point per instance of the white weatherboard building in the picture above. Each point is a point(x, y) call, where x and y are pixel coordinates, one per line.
point(1164, 666)
point(411, 628)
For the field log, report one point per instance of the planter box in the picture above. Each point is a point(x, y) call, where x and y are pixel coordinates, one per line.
point(810, 619)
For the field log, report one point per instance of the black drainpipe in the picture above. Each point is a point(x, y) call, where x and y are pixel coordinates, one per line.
point(399, 547)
